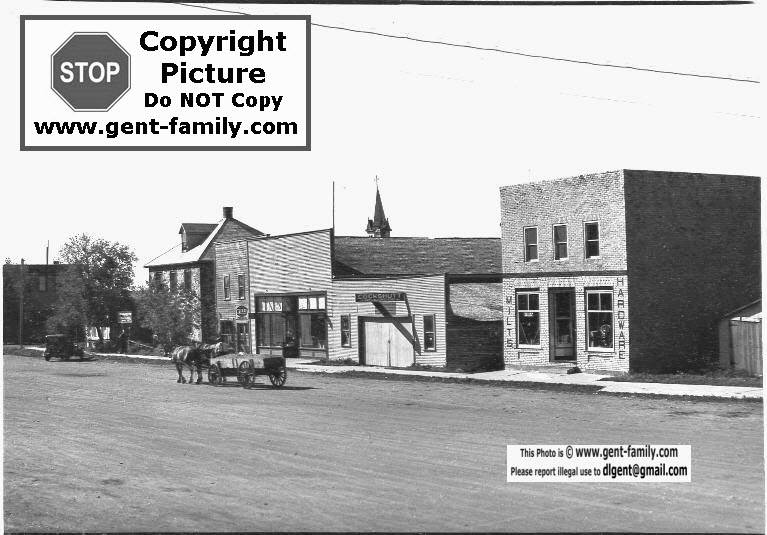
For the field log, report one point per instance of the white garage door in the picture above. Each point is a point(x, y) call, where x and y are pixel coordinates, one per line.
point(387, 343)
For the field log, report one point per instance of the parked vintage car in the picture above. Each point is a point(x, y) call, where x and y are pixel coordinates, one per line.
point(61, 346)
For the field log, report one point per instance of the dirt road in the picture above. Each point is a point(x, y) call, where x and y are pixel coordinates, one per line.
point(104, 446)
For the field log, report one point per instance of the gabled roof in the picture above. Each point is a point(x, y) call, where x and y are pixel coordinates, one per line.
point(197, 228)
point(176, 256)
point(359, 256)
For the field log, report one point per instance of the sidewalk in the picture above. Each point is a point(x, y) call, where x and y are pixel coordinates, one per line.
point(526, 376)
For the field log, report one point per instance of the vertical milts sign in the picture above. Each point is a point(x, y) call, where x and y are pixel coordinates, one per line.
point(165, 83)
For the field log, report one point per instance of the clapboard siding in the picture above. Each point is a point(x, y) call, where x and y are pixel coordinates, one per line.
point(291, 263)
point(232, 230)
point(232, 260)
point(425, 296)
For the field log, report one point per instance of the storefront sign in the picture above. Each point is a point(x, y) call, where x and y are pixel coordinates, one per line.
point(125, 317)
point(379, 296)
point(242, 311)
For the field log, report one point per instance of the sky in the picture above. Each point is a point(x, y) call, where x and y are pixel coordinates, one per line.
point(441, 127)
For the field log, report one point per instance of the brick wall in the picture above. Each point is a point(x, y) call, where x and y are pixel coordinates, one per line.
point(425, 295)
point(570, 201)
point(615, 360)
point(694, 254)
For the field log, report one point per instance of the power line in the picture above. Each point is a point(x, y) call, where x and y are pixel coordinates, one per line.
point(497, 50)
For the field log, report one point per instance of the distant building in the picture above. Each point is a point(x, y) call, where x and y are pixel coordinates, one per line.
point(39, 291)
point(378, 227)
point(191, 265)
point(627, 270)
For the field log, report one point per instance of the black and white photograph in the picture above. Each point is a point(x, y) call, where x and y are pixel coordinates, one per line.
point(382, 266)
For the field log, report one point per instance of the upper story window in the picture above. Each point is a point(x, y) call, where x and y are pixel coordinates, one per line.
point(173, 281)
point(560, 242)
point(227, 293)
point(531, 244)
point(42, 282)
point(591, 234)
point(241, 286)
point(188, 279)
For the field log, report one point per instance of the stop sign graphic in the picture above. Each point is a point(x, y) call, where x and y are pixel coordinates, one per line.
point(90, 71)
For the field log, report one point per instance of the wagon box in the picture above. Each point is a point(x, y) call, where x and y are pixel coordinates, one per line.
point(245, 368)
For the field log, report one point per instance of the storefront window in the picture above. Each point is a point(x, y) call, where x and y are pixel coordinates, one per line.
point(529, 320)
point(292, 321)
point(312, 330)
point(599, 318)
point(270, 330)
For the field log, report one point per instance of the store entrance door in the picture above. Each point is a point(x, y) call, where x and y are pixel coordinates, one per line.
point(243, 338)
point(388, 342)
point(562, 324)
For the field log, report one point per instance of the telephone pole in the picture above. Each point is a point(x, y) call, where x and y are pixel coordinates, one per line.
point(21, 305)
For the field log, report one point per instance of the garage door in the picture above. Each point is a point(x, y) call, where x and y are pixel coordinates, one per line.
point(388, 343)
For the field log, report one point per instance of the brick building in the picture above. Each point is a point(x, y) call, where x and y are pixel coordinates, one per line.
point(626, 270)
point(39, 290)
point(191, 265)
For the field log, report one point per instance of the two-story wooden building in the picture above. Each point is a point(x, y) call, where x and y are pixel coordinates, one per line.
point(191, 265)
point(626, 270)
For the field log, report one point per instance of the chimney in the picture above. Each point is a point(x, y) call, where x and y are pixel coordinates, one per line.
point(228, 211)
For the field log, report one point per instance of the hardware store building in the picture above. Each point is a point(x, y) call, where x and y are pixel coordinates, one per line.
point(626, 270)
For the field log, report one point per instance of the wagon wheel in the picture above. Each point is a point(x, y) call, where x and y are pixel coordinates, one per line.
point(214, 375)
point(245, 374)
point(278, 376)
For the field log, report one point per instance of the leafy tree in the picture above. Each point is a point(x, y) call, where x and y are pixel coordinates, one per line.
point(96, 285)
point(172, 315)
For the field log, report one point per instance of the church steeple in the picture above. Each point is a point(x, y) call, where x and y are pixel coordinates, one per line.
point(378, 227)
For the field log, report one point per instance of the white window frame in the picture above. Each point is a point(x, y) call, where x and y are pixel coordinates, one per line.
point(520, 310)
point(612, 314)
point(555, 242)
point(586, 240)
point(433, 331)
point(525, 244)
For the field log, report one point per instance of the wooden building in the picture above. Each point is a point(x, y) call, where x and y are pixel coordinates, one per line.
point(190, 265)
point(377, 300)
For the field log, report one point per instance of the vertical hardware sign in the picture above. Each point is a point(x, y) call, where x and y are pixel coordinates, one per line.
point(165, 83)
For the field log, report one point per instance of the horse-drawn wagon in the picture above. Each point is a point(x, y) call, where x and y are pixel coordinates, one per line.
point(246, 368)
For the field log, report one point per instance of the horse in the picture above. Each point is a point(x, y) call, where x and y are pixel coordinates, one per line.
point(190, 356)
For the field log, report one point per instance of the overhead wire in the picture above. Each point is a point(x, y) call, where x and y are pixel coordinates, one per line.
point(494, 49)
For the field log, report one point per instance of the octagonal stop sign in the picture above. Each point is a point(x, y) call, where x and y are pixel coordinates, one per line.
point(90, 71)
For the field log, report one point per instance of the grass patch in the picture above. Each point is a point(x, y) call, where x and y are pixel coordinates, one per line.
point(713, 378)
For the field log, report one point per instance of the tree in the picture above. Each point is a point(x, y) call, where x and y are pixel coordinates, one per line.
point(171, 315)
point(96, 285)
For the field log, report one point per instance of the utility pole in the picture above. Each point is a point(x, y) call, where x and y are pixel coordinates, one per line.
point(21, 305)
